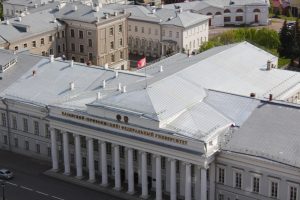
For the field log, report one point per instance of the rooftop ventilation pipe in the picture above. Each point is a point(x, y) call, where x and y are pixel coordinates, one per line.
point(72, 85)
point(51, 58)
point(103, 84)
point(119, 87)
point(7, 22)
point(72, 63)
point(161, 69)
point(269, 65)
point(19, 19)
point(98, 95)
point(124, 89)
point(116, 74)
point(270, 97)
point(106, 66)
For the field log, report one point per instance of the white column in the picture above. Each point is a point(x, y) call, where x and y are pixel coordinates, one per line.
point(130, 171)
point(203, 184)
point(144, 175)
point(66, 153)
point(197, 189)
point(104, 181)
point(117, 167)
point(54, 153)
point(158, 178)
point(78, 156)
point(188, 182)
point(173, 194)
point(90, 146)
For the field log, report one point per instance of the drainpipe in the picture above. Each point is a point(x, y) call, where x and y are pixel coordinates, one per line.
point(8, 124)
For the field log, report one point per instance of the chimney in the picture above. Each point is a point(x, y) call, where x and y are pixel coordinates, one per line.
point(119, 87)
point(51, 58)
point(7, 22)
point(103, 84)
point(116, 74)
point(106, 16)
point(180, 10)
point(98, 95)
point(116, 13)
point(161, 69)
point(124, 89)
point(106, 66)
point(270, 97)
point(33, 72)
point(74, 8)
point(252, 94)
point(269, 65)
point(72, 85)
point(72, 63)
point(19, 19)
point(153, 11)
point(162, 6)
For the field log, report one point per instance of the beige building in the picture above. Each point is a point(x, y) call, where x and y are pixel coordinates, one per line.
point(159, 31)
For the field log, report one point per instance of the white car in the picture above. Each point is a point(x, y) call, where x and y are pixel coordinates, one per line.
point(6, 174)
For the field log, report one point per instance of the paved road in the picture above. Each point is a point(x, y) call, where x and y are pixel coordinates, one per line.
point(30, 184)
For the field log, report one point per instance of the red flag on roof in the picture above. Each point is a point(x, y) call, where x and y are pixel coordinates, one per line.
point(141, 63)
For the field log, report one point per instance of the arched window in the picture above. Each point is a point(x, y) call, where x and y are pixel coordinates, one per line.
point(239, 10)
point(218, 13)
point(256, 10)
point(209, 13)
point(227, 11)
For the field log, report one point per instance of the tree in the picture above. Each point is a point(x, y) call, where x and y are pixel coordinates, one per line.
point(295, 50)
point(286, 41)
point(1, 10)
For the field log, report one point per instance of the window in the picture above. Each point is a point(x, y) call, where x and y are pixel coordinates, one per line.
point(25, 45)
point(48, 151)
point(221, 177)
point(293, 193)
point(33, 43)
point(58, 49)
point(163, 163)
point(50, 38)
point(36, 128)
point(72, 33)
point(108, 148)
point(238, 180)
point(149, 159)
point(256, 10)
point(121, 42)
point(255, 186)
point(135, 155)
point(51, 51)
point(16, 48)
point(81, 48)
point(25, 125)
point(239, 18)
point(3, 118)
point(239, 10)
point(177, 34)
point(58, 35)
point(82, 60)
point(111, 44)
point(274, 189)
point(226, 11)
point(122, 152)
point(90, 56)
point(5, 139)
point(80, 34)
point(90, 42)
point(111, 31)
point(73, 47)
point(84, 161)
point(26, 145)
point(63, 34)
point(109, 171)
point(72, 158)
point(42, 41)
point(221, 197)
point(96, 165)
point(47, 131)
point(64, 47)
point(227, 19)
point(177, 166)
point(38, 148)
point(14, 122)
point(121, 55)
point(126, 119)
point(112, 58)
point(120, 28)
point(218, 13)
point(136, 29)
point(89, 33)
point(16, 142)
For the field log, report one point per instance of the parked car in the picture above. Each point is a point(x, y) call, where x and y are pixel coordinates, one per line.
point(6, 174)
point(291, 25)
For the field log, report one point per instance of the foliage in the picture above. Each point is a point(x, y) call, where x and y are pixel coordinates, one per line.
point(1, 10)
point(265, 38)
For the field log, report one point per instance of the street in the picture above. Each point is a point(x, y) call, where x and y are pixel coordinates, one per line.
point(30, 183)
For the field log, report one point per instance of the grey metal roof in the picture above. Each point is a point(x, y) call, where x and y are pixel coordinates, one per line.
point(6, 56)
point(162, 16)
point(271, 132)
point(36, 23)
point(24, 63)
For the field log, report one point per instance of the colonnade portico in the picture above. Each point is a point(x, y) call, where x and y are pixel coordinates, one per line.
point(199, 181)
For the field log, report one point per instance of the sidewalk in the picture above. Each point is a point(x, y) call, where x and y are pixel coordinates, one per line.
point(94, 186)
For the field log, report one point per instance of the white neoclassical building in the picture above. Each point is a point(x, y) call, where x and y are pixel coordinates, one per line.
point(153, 133)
